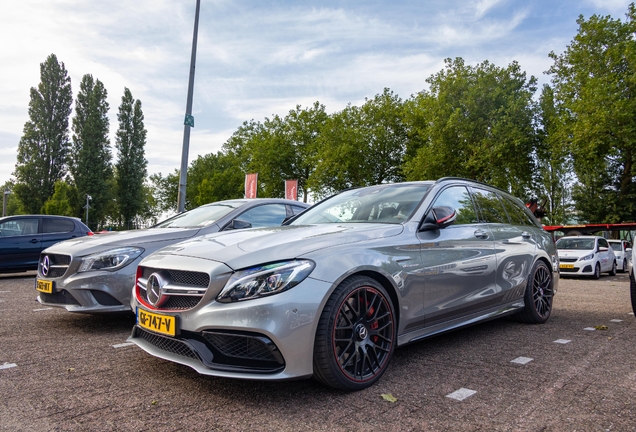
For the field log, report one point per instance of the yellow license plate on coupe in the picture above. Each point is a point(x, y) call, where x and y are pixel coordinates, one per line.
point(44, 286)
point(566, 265)
point(164, 324)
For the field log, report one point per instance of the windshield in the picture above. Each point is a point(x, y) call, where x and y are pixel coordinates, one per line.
point(617, 246)
point(393, 203)
point(200, 217)
point(574, 243)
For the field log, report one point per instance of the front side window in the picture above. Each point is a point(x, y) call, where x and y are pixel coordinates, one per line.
point(16, 227)
point(603, 243)
point(459, 199)
point(392, 203)
point(264, 215)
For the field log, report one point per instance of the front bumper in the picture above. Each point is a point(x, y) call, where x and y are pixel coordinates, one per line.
point(96, 292)
point(579, 268)
point(270, 338)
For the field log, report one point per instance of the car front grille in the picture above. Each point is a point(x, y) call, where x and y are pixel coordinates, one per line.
point(167, 344)
point(184, 289)
point(58, 264)
point(570, 270)
point(60, 297)
point(568, 260)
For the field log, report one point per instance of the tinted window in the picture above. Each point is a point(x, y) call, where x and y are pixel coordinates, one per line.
point(458, 198)
point(57, 225)
point(517, 214)
point(264, 215)
point(16, 227)
point(297, 209)
point(490, 206)
point(603, 243)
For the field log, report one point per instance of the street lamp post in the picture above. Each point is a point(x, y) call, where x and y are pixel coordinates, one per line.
point(4, 202)
point(87, 206)
point(189, 120)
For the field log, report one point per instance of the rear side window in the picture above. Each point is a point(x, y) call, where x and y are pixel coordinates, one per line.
point(458, 198)
point(57, 225)
point(297, 209)
point(490, 206)
point(517, 214)
point(265, 215)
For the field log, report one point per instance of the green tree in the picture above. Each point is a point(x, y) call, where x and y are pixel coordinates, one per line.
point(61, 201)
point(215, 177)
point(361, 146)
point(281, 148)
point(43, 148)
point(131, 163)
point(12, 203)
point(554, 179)
point(90, 161)
point(595, 85)
point(474, 122)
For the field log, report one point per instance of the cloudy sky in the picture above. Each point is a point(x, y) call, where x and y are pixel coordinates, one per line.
point(257, 58)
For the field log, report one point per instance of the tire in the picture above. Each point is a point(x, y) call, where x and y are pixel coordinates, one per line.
point(538, 296)
point(597, 271)
point(624, 270)
point(612, 272)
point(632, 291)
point(356, 335)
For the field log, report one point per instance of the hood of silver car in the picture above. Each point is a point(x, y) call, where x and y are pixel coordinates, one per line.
point(100, 242)
point(244, 248)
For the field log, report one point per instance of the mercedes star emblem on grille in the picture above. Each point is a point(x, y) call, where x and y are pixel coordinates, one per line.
point(46, 265)
point(154, 290)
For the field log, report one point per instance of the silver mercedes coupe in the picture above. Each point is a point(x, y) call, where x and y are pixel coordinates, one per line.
point(96, 274)
point(333, 292)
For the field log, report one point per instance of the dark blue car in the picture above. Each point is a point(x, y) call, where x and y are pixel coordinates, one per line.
point(23, 237)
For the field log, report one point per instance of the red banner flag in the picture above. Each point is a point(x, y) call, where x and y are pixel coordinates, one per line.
point(251, 182)
point(291, 190)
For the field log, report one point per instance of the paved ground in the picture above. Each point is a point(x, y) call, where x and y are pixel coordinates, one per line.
point(60, 371)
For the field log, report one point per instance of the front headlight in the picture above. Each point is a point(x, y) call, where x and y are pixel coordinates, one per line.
point(111, 260)
point(587, 257)
point(265, 280)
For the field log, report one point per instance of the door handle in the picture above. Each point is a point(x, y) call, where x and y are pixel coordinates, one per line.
point(481, 234)
point(34, 241)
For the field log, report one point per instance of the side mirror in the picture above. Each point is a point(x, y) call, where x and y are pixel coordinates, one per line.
point(628, 250)
point(438, 218)
point(602, 249)
point(238, 224)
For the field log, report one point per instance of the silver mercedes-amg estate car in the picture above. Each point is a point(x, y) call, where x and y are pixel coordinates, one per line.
point(96, 274)
point(333, 292)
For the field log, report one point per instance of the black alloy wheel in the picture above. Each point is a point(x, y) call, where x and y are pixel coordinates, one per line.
point(356, 335)
point(538, 296)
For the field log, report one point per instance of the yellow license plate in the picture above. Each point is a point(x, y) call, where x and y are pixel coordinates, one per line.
point(44, 286)
point(164, 324)
point(566, 265)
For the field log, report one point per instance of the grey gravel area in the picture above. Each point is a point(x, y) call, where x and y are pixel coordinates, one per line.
point(61, 371)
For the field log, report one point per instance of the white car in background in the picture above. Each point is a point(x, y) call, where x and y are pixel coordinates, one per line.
point(622, 252)
point(585, 256)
